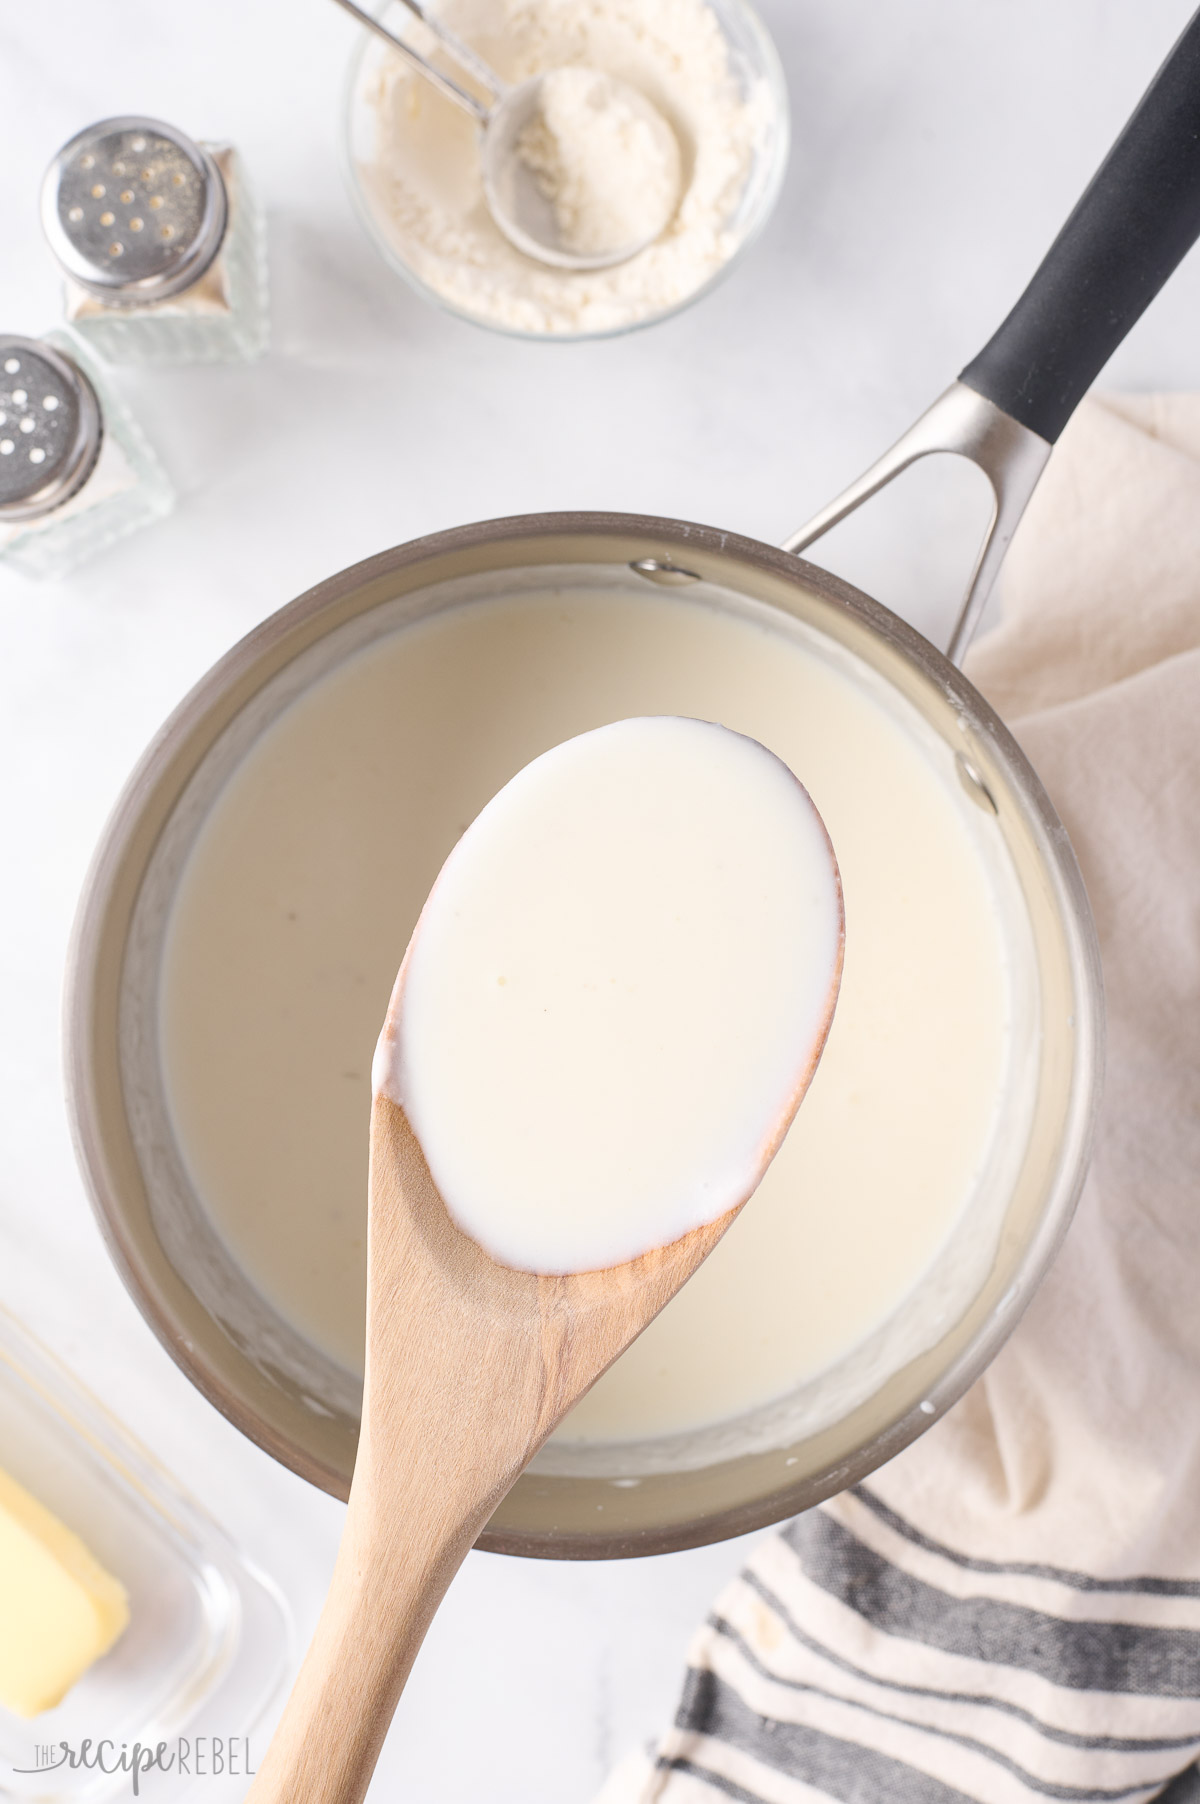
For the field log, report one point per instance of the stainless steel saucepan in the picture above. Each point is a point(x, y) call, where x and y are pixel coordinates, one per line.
point(1134, 223)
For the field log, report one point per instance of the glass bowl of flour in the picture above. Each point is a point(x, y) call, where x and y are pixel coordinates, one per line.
point(413, 162)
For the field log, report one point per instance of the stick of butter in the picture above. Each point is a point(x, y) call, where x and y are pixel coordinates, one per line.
point(59, 1609)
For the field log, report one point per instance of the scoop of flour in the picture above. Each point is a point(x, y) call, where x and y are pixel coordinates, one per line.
point(605, 159)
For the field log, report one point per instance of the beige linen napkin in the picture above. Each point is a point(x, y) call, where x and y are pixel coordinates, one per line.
point(1010, 1611)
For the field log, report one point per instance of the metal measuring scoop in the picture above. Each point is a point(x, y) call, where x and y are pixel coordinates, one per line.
point(520, 207)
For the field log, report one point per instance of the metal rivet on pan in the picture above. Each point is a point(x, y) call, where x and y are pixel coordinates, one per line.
point(974, 784)
point(662, 570)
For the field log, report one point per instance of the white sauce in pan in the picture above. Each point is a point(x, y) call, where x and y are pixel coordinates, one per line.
point(306, 881)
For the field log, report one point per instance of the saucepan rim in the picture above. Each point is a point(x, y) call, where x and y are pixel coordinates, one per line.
point(93, 984)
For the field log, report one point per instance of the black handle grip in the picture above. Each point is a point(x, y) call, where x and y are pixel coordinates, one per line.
point(1137, 219)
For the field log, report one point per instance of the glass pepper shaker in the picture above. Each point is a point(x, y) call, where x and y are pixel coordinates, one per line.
point(161, 244)
point(75, 471)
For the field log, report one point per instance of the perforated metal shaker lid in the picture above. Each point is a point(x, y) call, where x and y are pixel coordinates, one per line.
point(50, 428)
point(133, 210)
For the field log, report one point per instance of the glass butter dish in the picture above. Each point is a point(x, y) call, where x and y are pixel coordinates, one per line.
point(208, 1638)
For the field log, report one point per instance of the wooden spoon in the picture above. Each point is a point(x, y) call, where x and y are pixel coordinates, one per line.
point(470, 1366)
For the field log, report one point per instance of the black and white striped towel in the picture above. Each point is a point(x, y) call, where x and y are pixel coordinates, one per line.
point(1009, 1612)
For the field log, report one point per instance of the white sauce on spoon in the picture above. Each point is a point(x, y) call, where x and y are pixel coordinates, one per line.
point(617, 993)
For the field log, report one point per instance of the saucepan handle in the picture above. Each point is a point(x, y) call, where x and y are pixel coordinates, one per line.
point(1137, 219)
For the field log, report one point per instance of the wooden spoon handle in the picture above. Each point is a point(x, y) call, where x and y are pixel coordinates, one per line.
point(389, 1579)
point(469, 1367)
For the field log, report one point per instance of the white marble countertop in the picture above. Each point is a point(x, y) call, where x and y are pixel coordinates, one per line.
point(937, 147)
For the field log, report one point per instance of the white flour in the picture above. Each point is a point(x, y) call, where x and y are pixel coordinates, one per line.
point(421, 173)
point(606, 160)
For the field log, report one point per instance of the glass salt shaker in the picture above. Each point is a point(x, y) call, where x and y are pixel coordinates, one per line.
point(75, 471)
point(161, 244)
